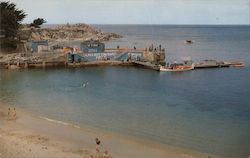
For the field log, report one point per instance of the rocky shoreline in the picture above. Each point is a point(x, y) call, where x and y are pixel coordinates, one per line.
point(66, 32)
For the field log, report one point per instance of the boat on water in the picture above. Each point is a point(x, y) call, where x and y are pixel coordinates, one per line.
point(189, 42)
point(236, 64)
point(176, 67)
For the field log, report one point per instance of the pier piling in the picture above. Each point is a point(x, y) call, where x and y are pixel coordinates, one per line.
point(44, 64)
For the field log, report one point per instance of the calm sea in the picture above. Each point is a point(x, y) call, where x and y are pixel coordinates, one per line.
point(206, 110)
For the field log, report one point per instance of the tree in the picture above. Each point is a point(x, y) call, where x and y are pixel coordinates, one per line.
point(10, 19)
point(37, 22)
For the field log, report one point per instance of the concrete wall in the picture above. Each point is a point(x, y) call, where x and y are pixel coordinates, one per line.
point(80, 57)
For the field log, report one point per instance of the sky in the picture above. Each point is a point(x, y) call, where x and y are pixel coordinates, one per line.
point(191, 12)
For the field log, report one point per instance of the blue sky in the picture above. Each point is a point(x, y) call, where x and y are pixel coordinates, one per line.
point(137, 11)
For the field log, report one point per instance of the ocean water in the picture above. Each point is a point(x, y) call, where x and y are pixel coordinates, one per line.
point(206, 110)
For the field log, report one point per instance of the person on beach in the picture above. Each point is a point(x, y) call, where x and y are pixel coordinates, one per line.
point(98, 145)
point(14, 113)
point(9, 112)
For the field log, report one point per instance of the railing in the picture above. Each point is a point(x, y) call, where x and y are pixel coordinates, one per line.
point(124, 49)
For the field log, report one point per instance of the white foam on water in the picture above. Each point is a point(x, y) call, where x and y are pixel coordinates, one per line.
point(60, 122)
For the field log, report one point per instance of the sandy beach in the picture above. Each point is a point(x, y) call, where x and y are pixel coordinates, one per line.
point(30, 135)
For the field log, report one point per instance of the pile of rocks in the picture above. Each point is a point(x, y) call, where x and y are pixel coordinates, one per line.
point(81, 32)
point(19, 57)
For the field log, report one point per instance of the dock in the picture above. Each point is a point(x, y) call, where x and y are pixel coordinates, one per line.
point(147, 65)
point(94, 53)
point(210, 64)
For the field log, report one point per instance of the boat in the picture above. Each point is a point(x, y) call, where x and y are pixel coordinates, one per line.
point(177, 67)
point(189, 42)
point(236, 64)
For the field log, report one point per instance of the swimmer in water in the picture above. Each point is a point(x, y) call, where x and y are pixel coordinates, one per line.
point(84, 85)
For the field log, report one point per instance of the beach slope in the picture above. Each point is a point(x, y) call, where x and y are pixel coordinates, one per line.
point(29, 135)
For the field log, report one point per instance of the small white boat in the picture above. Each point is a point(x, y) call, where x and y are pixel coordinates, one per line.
point(236, 64)
point(177, 67)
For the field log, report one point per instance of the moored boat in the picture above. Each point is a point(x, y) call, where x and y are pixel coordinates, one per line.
point(236, 64)
point(189, 42)
point(177, 67)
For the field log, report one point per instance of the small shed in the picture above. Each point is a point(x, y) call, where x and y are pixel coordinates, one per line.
point(92, 46)
point(39, 46)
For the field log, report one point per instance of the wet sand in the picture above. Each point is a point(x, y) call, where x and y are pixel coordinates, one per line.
point(30, 135)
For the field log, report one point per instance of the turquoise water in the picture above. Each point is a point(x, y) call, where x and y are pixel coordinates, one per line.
point(206, 110)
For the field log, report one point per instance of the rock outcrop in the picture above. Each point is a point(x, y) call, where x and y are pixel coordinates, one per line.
point(81, 32)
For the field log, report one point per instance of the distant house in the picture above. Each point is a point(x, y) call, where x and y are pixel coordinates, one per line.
point(39, 46)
